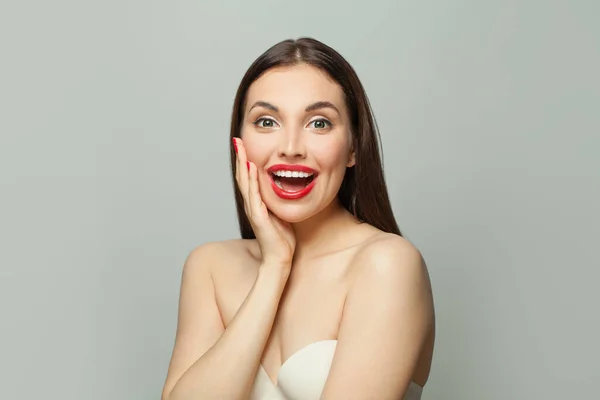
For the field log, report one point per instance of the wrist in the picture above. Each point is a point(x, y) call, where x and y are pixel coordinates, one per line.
point(275, 270)
point(276, 264)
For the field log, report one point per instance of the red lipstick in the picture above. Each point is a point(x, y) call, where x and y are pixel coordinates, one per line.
point(284, 194)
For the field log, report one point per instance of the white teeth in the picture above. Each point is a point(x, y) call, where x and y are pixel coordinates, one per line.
point(292, 174)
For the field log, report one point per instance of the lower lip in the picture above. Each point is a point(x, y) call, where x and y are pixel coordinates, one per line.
point(292, 195)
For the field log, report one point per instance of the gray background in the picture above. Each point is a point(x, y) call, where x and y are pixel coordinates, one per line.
point(114, 165)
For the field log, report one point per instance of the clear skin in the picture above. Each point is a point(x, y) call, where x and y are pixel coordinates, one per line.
point(319, 139)
point(242, 301)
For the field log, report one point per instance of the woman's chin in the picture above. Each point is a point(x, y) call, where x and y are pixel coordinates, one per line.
point(291, 213)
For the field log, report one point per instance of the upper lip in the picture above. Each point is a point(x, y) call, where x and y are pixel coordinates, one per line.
point(291, 167)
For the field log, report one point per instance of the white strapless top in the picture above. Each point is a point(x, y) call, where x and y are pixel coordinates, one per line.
point(303, 376)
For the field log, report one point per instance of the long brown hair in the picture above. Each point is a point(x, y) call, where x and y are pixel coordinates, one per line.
point(363, 191)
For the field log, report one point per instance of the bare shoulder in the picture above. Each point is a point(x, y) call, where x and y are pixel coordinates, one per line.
point(388, 258)
point(217, 254)
point(386, 245)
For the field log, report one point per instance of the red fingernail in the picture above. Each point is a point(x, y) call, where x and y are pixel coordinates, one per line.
point(248, 165)
point(234, 145)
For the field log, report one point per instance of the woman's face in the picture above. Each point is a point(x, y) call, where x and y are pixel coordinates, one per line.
point(296, 123)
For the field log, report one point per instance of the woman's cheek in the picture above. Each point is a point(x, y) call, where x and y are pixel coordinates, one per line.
point(331, 154)
point(257, 147)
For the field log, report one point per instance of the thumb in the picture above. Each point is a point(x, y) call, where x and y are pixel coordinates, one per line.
point(284, 227)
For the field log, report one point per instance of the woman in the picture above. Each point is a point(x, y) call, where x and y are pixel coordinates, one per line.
point(322, 297)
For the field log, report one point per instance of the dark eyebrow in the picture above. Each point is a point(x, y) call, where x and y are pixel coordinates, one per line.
point(321, 104)
point(265, 105)
point(315, 106)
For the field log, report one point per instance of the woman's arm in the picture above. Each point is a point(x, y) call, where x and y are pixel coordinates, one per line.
point(387, 317)
point(210, 362)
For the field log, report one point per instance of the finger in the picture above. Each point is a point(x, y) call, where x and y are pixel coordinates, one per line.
point(284, 229)
point(242, 171)
point(238, 177)
point(254, 197)
point(237, 161)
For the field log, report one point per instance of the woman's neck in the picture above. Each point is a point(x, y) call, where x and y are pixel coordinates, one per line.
point(324, 232)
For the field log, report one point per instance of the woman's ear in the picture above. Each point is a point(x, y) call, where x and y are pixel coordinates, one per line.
point(351, 160)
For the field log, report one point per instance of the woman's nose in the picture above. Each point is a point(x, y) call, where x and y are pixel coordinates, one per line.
point(291, 143)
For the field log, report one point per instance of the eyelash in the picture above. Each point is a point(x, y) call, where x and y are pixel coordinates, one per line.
point(329, 123)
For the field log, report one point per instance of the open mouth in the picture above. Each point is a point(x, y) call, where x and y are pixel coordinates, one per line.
point(294, 183)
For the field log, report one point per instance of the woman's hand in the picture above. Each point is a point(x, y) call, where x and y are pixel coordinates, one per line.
point(275, 236)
